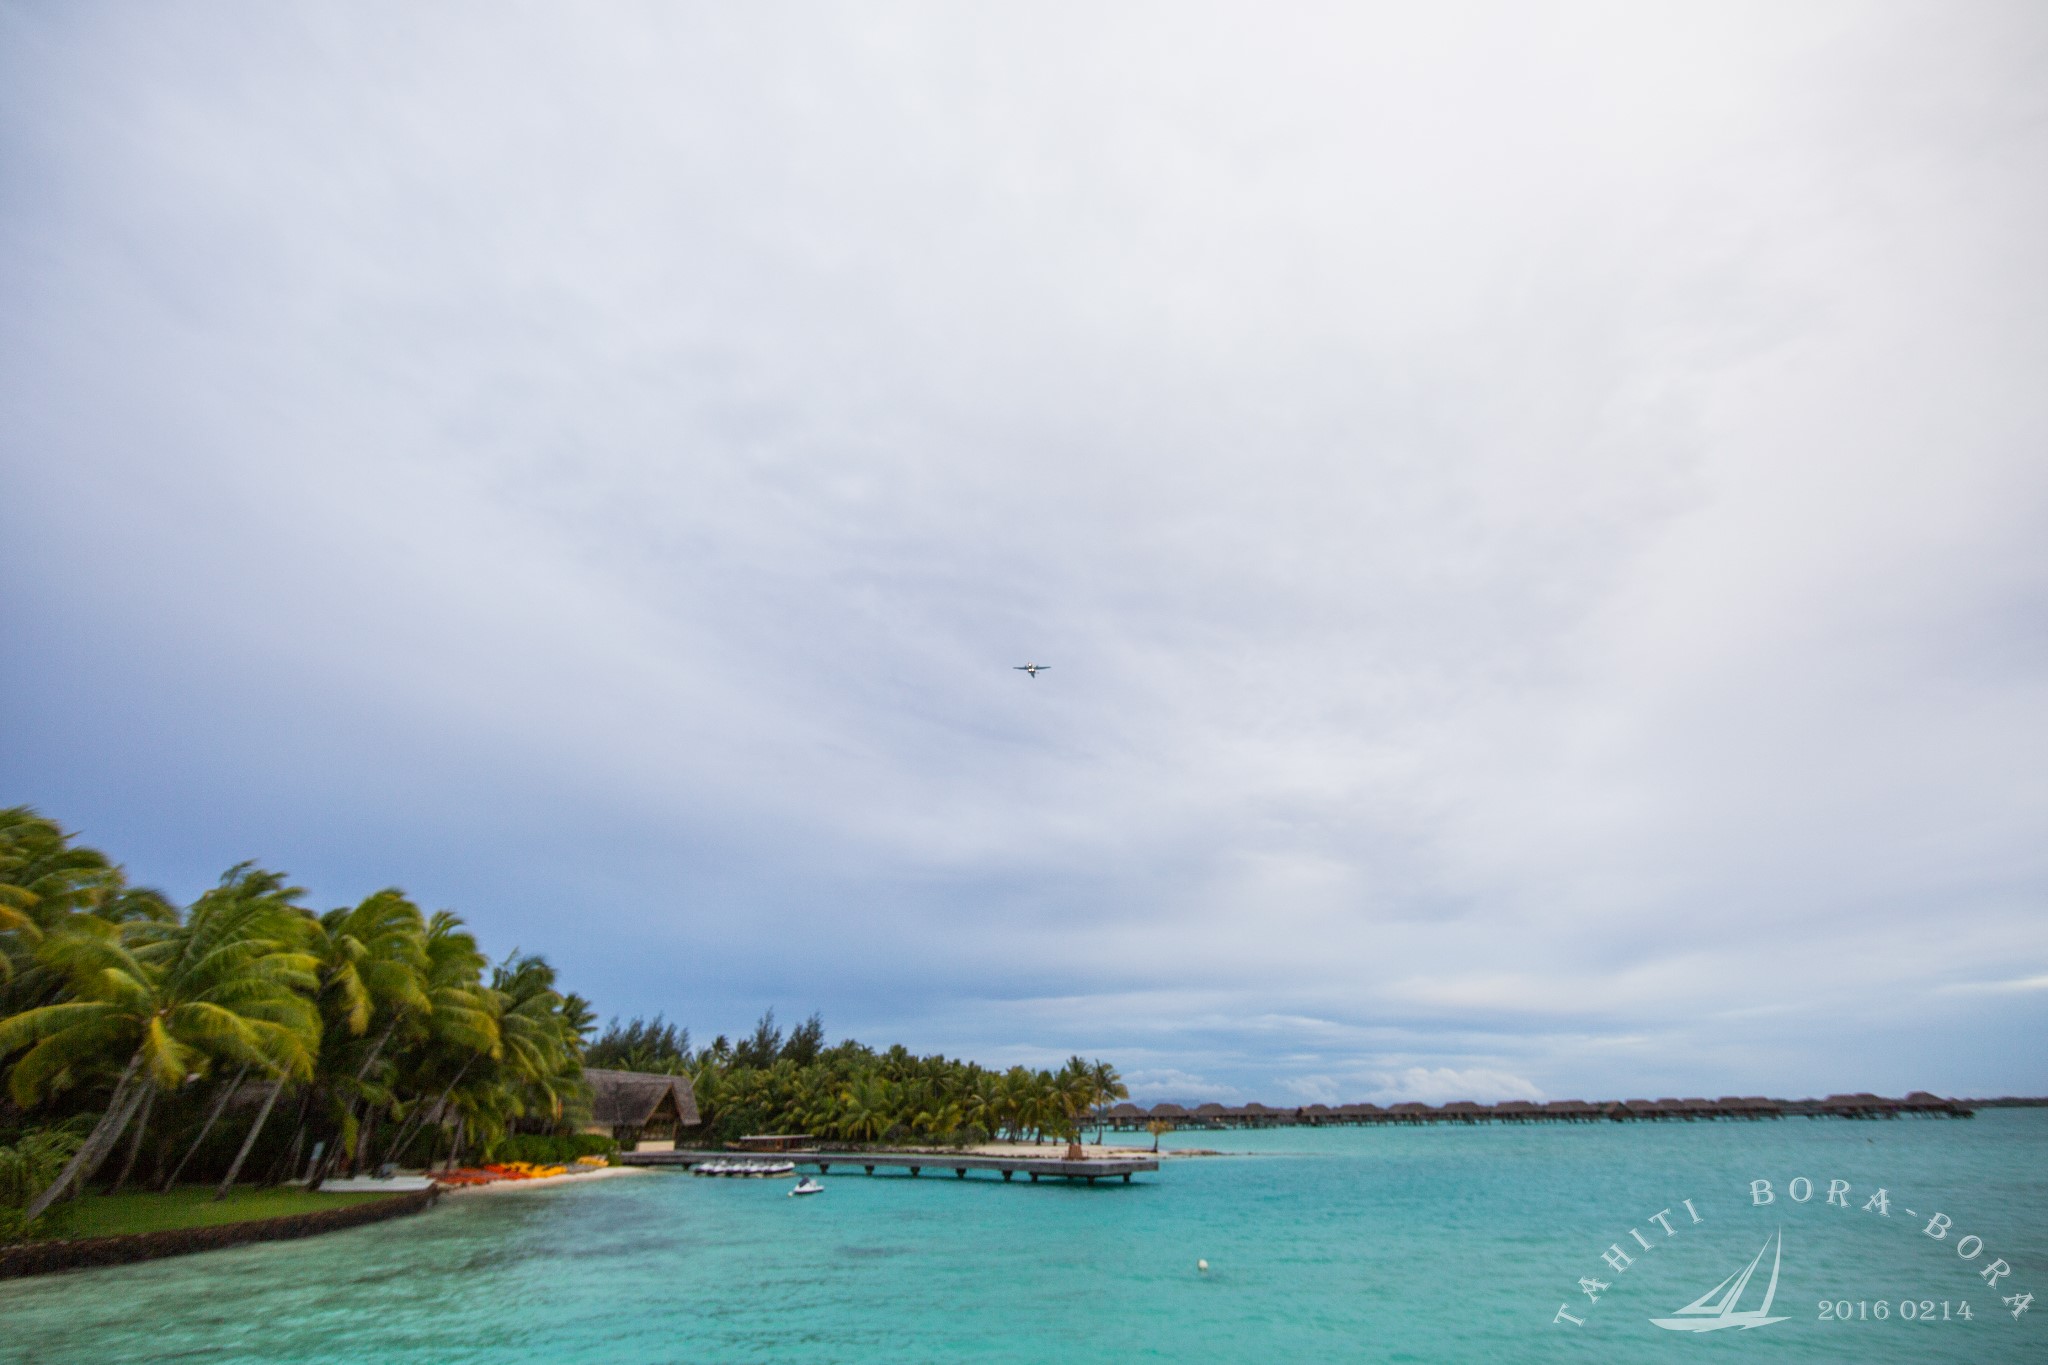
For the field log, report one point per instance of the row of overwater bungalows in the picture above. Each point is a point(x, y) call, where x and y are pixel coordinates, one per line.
point(1131, 1117)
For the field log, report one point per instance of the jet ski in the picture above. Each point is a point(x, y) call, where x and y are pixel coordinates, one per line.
point(806, 1186)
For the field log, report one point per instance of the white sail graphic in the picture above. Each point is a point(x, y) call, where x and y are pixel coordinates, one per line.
point(1715, 1309)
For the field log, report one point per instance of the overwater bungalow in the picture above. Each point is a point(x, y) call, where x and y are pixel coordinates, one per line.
point(642, 1111)
point(1257, 1115)
point(1693, 1110)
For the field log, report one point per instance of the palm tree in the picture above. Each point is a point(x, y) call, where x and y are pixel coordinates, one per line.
point(1107, 1085)
point(46, 881)
point(459, 1029)
point(867, 1108)
point(1073, 1092)
point(537, 1068)
point(229, 983)
point(372, 959)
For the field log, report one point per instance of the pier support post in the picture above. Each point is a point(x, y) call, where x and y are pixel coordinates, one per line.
point(960, 1172)
point(871, 1170)
point(1033, 1175)
point(1008, 1174)
point(914, 1170)
point(824, 1168)
point(1127, 1177)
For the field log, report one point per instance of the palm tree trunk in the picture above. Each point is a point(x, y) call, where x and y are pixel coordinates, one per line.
point(126, 1098)
point(362, 1153)
point(228, 1180)
point(455, 1149)
point(282, 1168)
point(355, 1158)
point(438, 1108)
point(205, 1129)
point(135, 1143)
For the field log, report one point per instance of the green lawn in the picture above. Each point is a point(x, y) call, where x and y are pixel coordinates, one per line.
point(189, 1206)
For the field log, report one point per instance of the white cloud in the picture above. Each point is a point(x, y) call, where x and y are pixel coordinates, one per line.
point(1536, 525)
point(1438, 1085)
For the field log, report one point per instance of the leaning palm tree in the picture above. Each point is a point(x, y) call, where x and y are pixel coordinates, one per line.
point(371, 957)
point(230, 983)
point(458, 1030)
point(46, 882)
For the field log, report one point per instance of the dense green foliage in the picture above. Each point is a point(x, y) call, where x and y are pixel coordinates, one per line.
point(652, 1045)
point(850, 1093)
point(27, 1166)
point(183, 1031)
point(249, 1035)
point(549, 1148)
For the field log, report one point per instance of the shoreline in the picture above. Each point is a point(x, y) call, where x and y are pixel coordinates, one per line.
point(24, 1259)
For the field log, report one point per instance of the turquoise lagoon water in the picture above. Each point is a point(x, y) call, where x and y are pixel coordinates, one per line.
point(1427, 1244)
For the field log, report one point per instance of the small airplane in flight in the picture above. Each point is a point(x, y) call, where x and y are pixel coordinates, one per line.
point(1032, 669)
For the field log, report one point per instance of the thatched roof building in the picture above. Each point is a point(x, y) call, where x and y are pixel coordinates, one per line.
point(637, 1106)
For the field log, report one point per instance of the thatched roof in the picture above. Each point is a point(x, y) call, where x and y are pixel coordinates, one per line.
point(1211, 1109)
point(1126, 1110)
point(1168, 1111)
point(627, 1099)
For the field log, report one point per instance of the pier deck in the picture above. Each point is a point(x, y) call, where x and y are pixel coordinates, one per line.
point(916, 1163)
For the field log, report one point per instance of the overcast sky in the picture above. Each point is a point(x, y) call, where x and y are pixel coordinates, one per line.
point(1536, 516)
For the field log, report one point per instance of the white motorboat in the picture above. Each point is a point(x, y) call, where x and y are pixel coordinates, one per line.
point(806, 1186)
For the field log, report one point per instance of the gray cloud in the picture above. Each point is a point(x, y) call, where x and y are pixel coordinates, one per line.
point(1535, 518)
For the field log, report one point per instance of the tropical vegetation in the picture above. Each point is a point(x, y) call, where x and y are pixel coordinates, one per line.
point(849, 1092)
point(247, 1040)
point(248, 1037)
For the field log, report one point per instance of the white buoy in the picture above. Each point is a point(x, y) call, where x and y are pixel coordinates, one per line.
point(1201, 1265)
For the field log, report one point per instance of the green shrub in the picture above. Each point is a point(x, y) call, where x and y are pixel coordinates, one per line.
point(544, 1149)
point(27, 1167)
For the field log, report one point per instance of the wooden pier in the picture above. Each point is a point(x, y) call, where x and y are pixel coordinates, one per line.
point(917, 1163)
